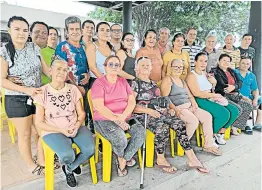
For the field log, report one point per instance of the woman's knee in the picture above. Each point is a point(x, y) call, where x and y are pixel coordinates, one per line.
point(88, 151)
point(66, 157)
point(222, 115)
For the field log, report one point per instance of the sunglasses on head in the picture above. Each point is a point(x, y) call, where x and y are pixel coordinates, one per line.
point(113, 65)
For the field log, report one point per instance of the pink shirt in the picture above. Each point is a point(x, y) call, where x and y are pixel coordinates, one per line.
point(59, 105)
point(115, 95)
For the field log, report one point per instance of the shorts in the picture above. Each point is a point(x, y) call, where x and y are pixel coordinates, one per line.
point(16, 106)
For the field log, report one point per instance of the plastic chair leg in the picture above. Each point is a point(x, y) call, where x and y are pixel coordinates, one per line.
point(150, 147)
point(93, 169)
point(107, 161)
point(139, 153)
point(96, 150)
point(49, 167)
point(227, 133)
point(172, 145)
point(198, 136)
point(11, 131)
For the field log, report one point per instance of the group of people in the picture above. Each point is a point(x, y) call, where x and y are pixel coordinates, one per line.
point(176, 84)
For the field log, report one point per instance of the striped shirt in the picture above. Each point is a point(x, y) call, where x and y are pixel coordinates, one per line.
point(192, 51)
point(234, 54)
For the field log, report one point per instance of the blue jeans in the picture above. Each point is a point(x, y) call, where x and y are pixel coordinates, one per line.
point(62, 146)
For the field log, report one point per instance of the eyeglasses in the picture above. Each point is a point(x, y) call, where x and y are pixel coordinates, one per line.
point(116, 30)
point(130, 40)
point(113, 65)
point(177, 67)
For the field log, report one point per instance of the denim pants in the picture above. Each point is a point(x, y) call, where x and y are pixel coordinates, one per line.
point(116, 136)
point(62, 146)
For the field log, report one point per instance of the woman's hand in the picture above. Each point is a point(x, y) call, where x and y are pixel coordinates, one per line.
point(153, 113)
point(229, 88)
point(218, 95)
point(32, 91)
point(171, 112)
point(124, 125)
point(86, 78)
point(194, 106)
point(67, 132)
point(16, 80)
point(120, 117)
point(212, 80)
point(82, 90)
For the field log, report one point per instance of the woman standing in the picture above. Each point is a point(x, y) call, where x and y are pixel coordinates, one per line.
point(176, 53)
point(98, 51)
point(149, 50)
point(22, 59)
point(126, 58)
point(186, 108)
point(224, 114)
point(228, 85)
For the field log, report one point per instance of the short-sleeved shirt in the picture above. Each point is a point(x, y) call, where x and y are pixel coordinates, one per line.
point(213, 57)
point(76, 59)
point(250, 52)
point(234, 54)
point(249, 83)
point(192, 50)
point(27, 66)
point(115, 95)
point(170, 56)
point(164, 49)
point(59, 105)
point(47, 54)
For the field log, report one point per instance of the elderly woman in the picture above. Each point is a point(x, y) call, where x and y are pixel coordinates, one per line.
point(113, 102)
point(224, 113)
point(59, 114)
point(228, 85)
point(159, 120)
point(186, 108)
point(150, 50)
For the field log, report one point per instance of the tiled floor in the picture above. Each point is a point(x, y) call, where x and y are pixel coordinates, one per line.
point(13, 169)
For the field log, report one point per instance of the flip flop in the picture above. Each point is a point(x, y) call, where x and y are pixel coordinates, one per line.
point(198, 169)
point(213, 150)
point(163, 167)
point(131, 162)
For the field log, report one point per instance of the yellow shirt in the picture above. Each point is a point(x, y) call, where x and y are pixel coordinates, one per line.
point(169, 56)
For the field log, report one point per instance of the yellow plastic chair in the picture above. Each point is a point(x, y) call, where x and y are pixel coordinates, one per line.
point(150, 147)
point(4, 117)
point(200, 136)
point(49, 166)
point(107, 149)
point(227, 133)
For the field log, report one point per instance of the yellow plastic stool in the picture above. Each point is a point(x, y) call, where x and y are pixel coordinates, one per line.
point(227, 133)
point(4, 117)
point(200, 136)
point(49, 166)
point(107, 149)
point(150, 147)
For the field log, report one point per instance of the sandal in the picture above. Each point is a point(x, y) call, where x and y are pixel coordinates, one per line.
point(163, 167)
point(234, 131)
point(120, 173)
point(213, 150)
point(56, 164)
point(199, 169)
point(131, 162)
point(39, 170)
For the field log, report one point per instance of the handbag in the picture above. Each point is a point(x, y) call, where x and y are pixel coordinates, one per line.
point(235, 97)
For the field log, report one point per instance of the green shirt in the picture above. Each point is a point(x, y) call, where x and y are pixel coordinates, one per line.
point(47, 53)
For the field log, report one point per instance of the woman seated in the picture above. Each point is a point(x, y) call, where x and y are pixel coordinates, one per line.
point(228, 85)
point(113, 102)
point(186, 108)
point(60, 114)
point(160, 119)
point(224, 113)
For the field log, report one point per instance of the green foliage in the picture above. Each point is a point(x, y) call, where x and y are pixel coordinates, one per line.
point(221, 17)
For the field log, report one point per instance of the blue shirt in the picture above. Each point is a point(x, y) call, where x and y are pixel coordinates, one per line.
point(76, 59)
point(249, 83)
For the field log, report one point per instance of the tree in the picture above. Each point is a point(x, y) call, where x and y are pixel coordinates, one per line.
point(218, 16)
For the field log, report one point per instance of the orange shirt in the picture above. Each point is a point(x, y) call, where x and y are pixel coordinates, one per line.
point(157, 62)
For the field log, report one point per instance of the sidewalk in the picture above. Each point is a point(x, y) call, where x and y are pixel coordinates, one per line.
point(154, 178)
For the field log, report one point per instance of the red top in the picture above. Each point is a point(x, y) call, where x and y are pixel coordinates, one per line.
point(230, 78)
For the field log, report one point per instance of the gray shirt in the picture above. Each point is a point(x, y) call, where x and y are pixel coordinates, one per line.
point(27, 66)
point(178, 95)
point(213, 57)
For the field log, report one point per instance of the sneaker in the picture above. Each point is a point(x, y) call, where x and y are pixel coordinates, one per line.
point(248, 130)
point(219, 138)
point(70, 178)
point(77, 171)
